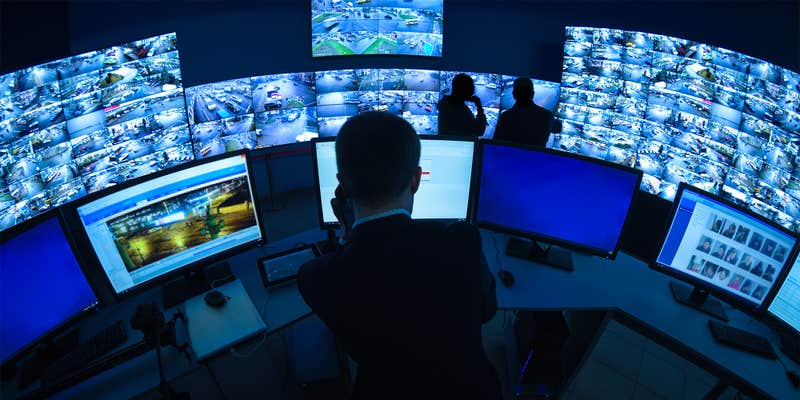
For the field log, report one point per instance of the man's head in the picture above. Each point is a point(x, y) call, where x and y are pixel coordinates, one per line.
point(523, 90)
point(463, 87)
point(377, 155)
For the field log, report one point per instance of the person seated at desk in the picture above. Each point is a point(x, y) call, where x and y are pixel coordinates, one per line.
point(525, 122)
point(406, 299)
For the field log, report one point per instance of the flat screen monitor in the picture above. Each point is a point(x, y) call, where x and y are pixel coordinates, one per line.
point(444, 192)
point(42, 285)
point(160, 225)
point(553, 196)
point(722, 248)
point(785, 306)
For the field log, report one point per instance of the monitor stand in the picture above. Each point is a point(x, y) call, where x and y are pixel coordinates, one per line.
point(789, 344)
point(698, 298)
point(532, 251)
point(195, 282)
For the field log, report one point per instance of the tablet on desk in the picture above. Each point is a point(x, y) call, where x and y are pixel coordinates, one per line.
point(281, 268)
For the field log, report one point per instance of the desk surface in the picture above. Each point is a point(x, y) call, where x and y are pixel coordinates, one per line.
point(630, 285)
point(625, 283)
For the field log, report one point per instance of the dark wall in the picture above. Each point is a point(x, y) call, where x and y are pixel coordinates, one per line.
point(244, 38)
point(31, 33)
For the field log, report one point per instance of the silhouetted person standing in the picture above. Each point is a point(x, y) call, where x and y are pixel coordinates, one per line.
point(525, 122)
point(455, 118)
point(406, 299)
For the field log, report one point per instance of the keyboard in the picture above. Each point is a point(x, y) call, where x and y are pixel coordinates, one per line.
point(79, 358)
point(741, 339)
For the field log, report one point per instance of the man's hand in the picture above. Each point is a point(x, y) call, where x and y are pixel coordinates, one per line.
point(343, 210)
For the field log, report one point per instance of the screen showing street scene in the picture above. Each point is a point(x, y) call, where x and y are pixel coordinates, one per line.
point(683, 111)
point(87, 122)
point(165, 223)
point(395, 27)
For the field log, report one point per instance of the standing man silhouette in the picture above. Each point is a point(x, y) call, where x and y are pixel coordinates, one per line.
point(455, 118)
point(525, 122)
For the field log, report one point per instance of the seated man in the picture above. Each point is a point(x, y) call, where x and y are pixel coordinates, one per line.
point(406, 299)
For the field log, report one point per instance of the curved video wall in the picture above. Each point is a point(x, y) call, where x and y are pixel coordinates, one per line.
point(396, 27)
point(262, 111)
point(683, 111)
point(83, 123)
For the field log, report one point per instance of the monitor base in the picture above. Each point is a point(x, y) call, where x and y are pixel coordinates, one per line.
point(532, 251)
point(698, 299)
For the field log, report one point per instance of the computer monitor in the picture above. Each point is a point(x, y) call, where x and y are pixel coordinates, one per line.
point(444, 192)
point(785, 305)
point(42, 286)
point(164, 223)
point(720, 247)
point(572, 201)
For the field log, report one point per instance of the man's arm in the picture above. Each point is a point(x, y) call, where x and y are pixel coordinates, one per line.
point(479, 122)
point(482, 283)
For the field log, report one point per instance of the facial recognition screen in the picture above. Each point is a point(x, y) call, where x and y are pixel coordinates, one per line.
point(153, 228)
point(443, 192)
point(39, 290)
point(724, 247)
point(786, 304)
point(554, 196)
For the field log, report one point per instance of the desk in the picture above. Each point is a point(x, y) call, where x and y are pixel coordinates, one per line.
point(629, 285)
point(278, 309)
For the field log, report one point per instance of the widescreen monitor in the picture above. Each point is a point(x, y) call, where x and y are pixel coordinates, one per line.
point(553, 196)
point(785, 306)
point(444, 192)
point(42, 285)
point(722, 248)
point(396, 27)
point(160, 225)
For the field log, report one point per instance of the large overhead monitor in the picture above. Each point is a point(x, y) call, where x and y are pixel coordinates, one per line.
point(564, 199)
point(157, 226)
point(444, 192)
point(724, 249)
point(42, 286)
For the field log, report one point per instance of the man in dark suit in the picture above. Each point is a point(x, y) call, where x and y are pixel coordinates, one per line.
point(406, 299)
point(455, 118)
point(525, 122)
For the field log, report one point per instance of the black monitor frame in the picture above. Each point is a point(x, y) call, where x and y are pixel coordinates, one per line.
point(73, 219)
point(80, 259)
point(739, 302)
point(544, 238)
point(335, 225)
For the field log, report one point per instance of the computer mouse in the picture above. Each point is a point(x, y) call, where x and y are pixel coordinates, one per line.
point(506, 277)
point(215, 299)
point(794, 378)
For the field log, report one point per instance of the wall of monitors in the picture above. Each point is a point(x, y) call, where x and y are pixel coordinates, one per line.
point(684, 111)
point(84, 123)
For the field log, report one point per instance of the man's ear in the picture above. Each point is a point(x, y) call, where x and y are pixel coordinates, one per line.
point(415, 180)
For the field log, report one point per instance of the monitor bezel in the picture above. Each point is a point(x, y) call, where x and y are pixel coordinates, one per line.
point(544, 238)
point(748, 307)
point(83, 237)
point(470, 198)
point(80, 259)
point(770, 317)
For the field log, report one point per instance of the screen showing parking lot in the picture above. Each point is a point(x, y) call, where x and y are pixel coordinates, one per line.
point(84, 123)
point(683, 111)
point(399, 27)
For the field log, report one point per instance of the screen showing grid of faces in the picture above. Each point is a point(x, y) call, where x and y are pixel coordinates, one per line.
point(84, 123)
point(443, 191)
point(683, 111)
point(725, 247)
point(150, 229)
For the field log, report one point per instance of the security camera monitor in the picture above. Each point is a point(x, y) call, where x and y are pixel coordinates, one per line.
point(444, 191)
point(157, 226)
point(722, 248)
point(541, 194)
point(42, 286)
